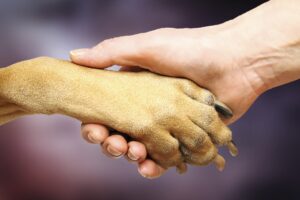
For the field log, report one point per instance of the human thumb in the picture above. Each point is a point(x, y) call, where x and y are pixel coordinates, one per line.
point(90, 58)
point(117, 51)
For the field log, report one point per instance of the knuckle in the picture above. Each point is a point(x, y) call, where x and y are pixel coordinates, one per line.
point(108, 46)
point(107, 42)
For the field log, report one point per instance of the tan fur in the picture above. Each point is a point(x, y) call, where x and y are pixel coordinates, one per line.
point(173, 117)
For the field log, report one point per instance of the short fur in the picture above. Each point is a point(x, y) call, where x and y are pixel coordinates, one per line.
point(173, 117)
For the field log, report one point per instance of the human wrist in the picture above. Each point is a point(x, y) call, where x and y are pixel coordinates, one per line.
point(269, 43)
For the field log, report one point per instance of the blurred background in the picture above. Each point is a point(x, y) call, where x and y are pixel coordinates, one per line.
point(44, 158)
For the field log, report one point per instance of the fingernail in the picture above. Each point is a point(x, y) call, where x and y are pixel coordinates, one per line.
point(92, 138)
point(140, 170)
point(78, 52)
point(131, 156)
point(145, 175)
point(113, 151)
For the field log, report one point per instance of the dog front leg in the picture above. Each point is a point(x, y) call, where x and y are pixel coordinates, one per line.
point(8, 111)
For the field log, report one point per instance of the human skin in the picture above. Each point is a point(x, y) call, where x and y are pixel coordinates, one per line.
point(173, 117)
point(237, 60)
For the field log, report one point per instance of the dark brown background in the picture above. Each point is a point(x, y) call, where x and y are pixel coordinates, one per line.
point(44, 158)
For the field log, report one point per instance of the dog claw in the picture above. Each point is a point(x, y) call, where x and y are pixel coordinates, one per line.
point(233, 149)
point(223, 109)
point(181, 168)
point(219, 162)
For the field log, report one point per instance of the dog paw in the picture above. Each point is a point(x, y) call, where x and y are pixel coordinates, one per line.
point(183, 125)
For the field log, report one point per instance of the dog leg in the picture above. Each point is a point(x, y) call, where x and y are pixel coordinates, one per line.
point(176, 120)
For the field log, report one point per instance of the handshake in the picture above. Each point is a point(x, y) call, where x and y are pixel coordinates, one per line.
point(178, 121)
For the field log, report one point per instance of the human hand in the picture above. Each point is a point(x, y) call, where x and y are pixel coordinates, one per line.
point(237, 60)
point(157, 52)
